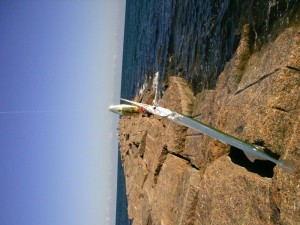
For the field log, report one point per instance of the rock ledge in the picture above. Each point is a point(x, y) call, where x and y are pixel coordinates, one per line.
point(175, 175)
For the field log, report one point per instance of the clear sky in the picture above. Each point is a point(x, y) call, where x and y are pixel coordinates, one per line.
point(60, 68)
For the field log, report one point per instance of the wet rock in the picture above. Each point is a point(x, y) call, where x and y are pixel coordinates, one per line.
point(241, 57)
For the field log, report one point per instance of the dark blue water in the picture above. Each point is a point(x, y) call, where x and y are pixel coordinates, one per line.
point(121, 217)
point(193, 39)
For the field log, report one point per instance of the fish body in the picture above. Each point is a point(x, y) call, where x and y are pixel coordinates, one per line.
point(252, 151)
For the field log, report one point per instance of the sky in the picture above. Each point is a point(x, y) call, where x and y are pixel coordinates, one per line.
point(60, 69)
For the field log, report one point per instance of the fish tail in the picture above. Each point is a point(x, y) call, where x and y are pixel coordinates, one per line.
point(289, 166)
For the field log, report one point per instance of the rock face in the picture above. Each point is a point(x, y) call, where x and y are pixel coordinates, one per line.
point(175, 175)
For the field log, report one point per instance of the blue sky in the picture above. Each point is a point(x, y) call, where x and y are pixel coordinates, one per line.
point(60, 68)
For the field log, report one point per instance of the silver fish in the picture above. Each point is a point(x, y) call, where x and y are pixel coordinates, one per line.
point(252, 151)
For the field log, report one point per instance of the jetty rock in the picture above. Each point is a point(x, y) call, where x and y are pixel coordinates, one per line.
point(176, 175)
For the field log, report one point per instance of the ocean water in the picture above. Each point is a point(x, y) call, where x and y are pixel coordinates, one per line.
point(193, 39)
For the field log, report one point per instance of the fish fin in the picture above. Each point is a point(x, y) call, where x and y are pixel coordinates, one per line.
point(250, 156)
point(260, 148)
point(289, 166)
point(253, 157)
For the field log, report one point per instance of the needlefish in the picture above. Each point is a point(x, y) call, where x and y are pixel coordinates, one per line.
point(252, 151)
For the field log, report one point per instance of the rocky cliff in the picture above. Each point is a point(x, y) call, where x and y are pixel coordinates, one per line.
point(175, 175)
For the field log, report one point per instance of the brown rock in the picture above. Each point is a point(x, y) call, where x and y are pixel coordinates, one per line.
point(265, 109)
point(286, 188)
point(146, 143)
point(175, 193)
point(200, 148)
point(231, 195)
point(283, 52)
point(179, 98)
point(175, 175)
